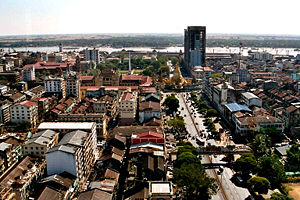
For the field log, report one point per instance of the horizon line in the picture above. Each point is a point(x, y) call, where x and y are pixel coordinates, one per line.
point(153, 33)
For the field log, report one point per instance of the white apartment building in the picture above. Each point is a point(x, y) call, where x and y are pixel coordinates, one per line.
point(128, 106)
point(28, 74)
point(73, 86)
point(92, 55)
point(55, 85)
point(24, 111)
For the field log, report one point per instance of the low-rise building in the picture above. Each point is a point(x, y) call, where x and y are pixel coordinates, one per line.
point(149, 110)
point(24, 111)
point(19, 181)
point(244, 124)
point(40, 143)
point(251, 99)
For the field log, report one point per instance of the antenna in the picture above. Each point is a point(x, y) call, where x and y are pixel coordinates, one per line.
point(129, 70)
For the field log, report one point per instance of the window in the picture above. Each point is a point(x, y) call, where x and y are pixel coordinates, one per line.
point(26, 148)
point(36, 148)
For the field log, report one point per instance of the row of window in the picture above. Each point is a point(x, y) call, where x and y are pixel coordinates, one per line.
point(37, 148)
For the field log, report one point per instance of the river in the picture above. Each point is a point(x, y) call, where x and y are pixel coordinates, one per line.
point(274, 51)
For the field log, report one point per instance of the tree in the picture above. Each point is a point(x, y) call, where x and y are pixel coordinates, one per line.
point(293, 158)
point(275, 135)
point(216, 75)
point(186, 157)
point(147, 72)
point(245, 164)
point(23, 126)
point(162, 59)
point(174, 60)
point(172, 103)
point(194, 182)
point(177, 123)
point(279, 196)
point(164, 71)
point(259, 184)
point(271, 168)
point(187, 147)
point(260, 145)
point(211, 113)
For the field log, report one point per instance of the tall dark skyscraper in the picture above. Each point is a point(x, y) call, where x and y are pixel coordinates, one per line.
point(194, 46)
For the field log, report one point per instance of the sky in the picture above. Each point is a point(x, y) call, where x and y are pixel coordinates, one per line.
point(26, 17)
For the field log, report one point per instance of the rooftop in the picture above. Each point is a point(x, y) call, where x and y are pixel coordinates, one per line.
point(160, 187)
point(75, 138)
point(250, 95)
point(234, 107)
point(67, 125)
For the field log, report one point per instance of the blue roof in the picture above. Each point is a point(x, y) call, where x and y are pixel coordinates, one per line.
point(235, 107)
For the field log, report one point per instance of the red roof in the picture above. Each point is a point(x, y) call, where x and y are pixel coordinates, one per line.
point(148, 136)
point(48, 65)
point(86, 78)
point(28, 103)
point(126, 96)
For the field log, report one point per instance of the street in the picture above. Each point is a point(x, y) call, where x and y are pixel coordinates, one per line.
point(194, 126)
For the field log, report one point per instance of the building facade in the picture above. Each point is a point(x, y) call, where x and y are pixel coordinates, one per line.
point(55, 85)
point(28, 73)
point(76, 153)
point(127, 108)
point(40, 143)
point(73, 86)
point(24, 111)
point(194, 46)
point(92, 55)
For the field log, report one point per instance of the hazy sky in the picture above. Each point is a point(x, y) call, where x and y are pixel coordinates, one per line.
point(19, 17)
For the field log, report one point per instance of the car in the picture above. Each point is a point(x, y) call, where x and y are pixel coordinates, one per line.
point(239, 179)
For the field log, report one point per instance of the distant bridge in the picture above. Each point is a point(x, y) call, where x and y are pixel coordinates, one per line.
point(214, 165)
point(224, 150)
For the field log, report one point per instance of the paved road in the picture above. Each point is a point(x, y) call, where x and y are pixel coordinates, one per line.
point(231, 191)
point(193, 131)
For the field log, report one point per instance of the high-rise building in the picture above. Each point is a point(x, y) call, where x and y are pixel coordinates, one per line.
point(194, 47)
point(92, 55)
point(60, 47)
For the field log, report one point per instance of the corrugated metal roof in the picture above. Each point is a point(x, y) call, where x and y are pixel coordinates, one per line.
point(234, 107)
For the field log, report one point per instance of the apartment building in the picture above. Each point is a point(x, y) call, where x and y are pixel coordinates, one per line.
point(4, 113)
point(100, 119)
point(24, 111)
point(55, 85)
point(40, 143)
point(245, 123)
point(76, 153)
point(92, 55)
point(127, 108)
point(28, 73)
point(73, 86)
point(65, 127)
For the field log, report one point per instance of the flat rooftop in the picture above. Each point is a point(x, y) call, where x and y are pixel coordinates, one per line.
point(66, 125)
point(160, 188)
